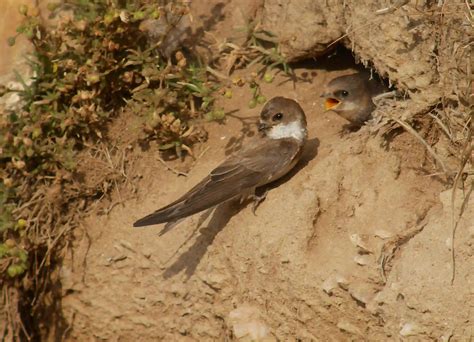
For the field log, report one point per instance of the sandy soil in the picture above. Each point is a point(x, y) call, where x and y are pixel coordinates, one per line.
point(354, 245)
point(305, 267)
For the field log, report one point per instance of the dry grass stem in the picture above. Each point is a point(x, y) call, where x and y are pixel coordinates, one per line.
point(172, 169)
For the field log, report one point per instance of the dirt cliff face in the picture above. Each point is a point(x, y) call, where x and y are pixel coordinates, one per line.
point(12, 58)
point(421, 46)
point(353, 245)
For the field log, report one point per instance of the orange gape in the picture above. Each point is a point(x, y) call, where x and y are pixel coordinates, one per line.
point(330, 103)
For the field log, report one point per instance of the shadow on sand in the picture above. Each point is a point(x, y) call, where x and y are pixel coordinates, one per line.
point(221, 215)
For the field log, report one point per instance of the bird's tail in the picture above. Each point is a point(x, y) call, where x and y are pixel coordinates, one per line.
point(168, 214)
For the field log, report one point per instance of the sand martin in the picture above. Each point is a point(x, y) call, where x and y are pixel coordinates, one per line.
point(270, 156)
point(351, 96)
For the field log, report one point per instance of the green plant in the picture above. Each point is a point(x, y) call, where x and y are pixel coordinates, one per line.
point(13, 257)
point(260, 48)
point(257, 96)
point(92, 65)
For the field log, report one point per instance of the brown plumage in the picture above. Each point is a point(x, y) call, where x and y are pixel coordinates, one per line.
point(351, 96)
point(283, 127)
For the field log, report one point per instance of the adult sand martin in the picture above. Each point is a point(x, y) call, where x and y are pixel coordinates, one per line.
point(351, 97)
point(270, 156)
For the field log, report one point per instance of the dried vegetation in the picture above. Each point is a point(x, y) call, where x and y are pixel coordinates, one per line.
point(94, 63)
point(97, 62)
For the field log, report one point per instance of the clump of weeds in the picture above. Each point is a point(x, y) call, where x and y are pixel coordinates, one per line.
point(95, 61)
point(260, 49)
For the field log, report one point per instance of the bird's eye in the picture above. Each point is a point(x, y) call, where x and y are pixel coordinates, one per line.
point(344, 93)
point(277, 117)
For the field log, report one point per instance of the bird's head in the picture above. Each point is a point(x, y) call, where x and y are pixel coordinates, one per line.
point(283, 118)
point(343, 93)
point(350, 96)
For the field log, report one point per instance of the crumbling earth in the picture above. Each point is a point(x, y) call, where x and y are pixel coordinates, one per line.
point(353, 245)
point(356, 244)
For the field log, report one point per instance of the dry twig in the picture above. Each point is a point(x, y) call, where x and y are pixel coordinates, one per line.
point(398, 4)
point(428, 147)
point(466, 156)
point(172, 169)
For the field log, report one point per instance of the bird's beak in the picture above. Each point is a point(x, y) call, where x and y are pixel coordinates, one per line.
point(331, 103)
point(262, 126)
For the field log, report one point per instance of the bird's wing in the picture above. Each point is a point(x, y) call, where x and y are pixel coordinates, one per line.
point(251, 167)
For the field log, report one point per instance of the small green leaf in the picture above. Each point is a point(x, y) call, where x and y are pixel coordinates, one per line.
point(3, 250)
point(167, 146)
point(15, 270)
point(139, 15)
point(11, 41)
point(23, 9)
point(261, 99)
point(23, 256)
point(268, 78)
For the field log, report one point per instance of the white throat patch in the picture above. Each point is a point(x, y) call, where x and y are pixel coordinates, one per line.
point(347, 106)
point(292, 130)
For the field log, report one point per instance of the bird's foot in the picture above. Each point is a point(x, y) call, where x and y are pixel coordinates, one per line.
point(257, 199)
